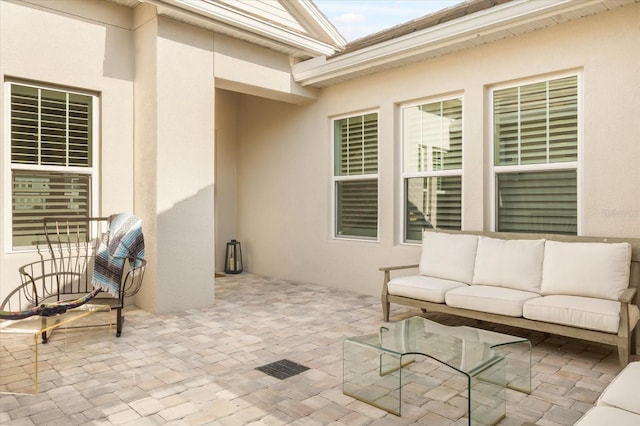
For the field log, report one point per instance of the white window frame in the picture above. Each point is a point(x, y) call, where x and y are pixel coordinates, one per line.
point(569, 165)
point(335, 179)
point(427, 174)
point(93, 171)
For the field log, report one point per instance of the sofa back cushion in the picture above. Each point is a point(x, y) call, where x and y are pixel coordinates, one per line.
point(448, 256)
point(513, 264)
point(586, 269)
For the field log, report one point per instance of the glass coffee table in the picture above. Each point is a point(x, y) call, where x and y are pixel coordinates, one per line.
point(24, 357)
point(376, 366)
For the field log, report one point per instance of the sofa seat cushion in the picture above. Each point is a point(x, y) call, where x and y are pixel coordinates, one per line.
point(513, 264)
point(423, 288)
point(601, 415)
point(448, 256)
point(621, 392)
point(496, 300)
point(598, 270)
point(576, 311)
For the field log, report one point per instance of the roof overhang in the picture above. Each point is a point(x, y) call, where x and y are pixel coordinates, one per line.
point(236, 23)
point(307, 13)
point(495, 23)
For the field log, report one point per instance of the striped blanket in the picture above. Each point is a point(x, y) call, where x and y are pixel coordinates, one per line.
point(123, 240)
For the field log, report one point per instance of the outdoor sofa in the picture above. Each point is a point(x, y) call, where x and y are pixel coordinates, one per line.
point(618, 404)
point(580, 287)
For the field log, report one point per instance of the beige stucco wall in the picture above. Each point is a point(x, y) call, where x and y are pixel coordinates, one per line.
point(144, 36)
point(156, 81)
point(284, 154)
point(243, 67)
point(90, 51)
point(268, 183)
point(226, 160)
point(174, 146)
point(185, 167)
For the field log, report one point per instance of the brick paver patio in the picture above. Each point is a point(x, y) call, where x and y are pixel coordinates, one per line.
point(198, 367)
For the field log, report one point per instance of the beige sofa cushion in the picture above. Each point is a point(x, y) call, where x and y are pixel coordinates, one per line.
point(422, 287)
point(586, 269)
point(621, 392)
point(497, 300)
point(448, 256)
point(608, 416)
point(514, 264)
point(576, 311)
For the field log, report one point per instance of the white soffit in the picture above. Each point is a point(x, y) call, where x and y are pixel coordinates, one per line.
point(498, 22)
point(222, 18)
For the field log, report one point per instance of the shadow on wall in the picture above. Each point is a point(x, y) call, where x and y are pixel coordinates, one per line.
point(185, 254)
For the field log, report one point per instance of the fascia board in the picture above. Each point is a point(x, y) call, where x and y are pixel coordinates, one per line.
point(496, 19)
point(249, 23)
point(314, 17)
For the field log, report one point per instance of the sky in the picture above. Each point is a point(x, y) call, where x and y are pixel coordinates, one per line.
point(358, 18)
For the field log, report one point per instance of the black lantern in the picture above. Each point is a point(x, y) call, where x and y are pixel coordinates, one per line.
point(233, 258)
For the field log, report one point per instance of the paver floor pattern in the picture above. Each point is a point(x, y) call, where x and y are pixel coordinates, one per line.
point(198, 367)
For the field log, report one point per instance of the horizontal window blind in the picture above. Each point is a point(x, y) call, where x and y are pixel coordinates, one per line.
point(432, 150)
point(355, 176)
point(536, 123)
point(538, 202)
point(357, 208)
point(51, 132)
point(432, 202)
point(432, 136)
point(37, 195)
point(356, 145)
point(50, 127)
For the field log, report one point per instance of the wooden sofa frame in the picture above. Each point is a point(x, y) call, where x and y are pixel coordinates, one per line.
point(624, 340)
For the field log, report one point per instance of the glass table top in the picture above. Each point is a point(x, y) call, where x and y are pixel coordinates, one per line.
point(466, 349)
point(377, 368)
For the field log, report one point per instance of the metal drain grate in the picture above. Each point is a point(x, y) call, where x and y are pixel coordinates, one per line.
point(282, 369)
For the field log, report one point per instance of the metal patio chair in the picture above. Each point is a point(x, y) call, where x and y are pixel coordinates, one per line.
point(64, 276)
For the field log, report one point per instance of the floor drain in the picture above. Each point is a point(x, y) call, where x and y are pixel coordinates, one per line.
point(282, 369)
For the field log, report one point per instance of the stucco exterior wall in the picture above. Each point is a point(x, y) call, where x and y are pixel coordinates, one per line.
point(285, 164)
point(185, 167)
point(145, 134)
point(90, 51)
point(247, 68)
point(225, 185)
point(155, 80)
point(268, 183)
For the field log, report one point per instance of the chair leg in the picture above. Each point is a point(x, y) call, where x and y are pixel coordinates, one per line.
point(385, 310)
point(43, 324)
point(119, 322)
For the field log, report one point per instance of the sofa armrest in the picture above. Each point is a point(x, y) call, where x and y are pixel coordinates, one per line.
point(387, 273)
point(387, 276)
point(396, 268)
point(628, 295)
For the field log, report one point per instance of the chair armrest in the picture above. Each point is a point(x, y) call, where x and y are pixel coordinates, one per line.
point(627, 295)
point(395, 268)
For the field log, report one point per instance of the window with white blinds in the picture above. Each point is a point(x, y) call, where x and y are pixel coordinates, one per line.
point(432, 166)
point(51, 158)
point(535, 156)
point(356, 176)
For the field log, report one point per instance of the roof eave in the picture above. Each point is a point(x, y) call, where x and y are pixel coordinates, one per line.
point(455, 34)
point(217, 16)
point(308, 12)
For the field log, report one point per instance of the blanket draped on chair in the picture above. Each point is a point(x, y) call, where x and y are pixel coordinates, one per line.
point(122, 241)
